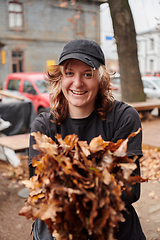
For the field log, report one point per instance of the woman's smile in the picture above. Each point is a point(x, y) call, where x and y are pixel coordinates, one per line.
point(78, 92)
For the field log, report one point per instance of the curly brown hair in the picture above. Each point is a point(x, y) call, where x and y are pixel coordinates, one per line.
point(104, 99)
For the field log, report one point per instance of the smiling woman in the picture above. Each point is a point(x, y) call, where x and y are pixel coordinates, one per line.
point(83, 104)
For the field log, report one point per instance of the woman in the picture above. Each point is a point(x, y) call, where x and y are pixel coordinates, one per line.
point(83, 104)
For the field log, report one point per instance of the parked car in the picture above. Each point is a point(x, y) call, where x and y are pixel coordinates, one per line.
point(31, 85)
point(151, 86)
point(116, 86)
point(116, 82)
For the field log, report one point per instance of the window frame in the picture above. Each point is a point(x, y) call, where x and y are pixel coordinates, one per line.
point(15, 13)
point(27, 84)
point(14, 84)
point(80, 23)
point(152, 44)
point(151, 64)
point(16, 61)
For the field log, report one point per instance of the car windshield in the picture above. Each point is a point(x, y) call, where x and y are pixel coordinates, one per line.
point(157, 82)
point(42, 85)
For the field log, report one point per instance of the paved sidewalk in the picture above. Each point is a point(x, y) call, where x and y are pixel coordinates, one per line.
point(151, 132)
point(148, 206)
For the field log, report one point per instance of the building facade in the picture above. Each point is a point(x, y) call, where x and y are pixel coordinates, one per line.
point(33, 33)
point(149, 51)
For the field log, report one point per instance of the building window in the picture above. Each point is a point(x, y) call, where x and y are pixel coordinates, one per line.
point(151, 44)
point(151, 63)
point(80, 23)
point(17, 61)
point(15, 12)
point(139, 46)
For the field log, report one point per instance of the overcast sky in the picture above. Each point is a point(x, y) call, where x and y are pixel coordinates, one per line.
point(146, 15)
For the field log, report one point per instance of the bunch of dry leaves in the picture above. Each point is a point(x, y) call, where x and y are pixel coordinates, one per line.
point(77, 188)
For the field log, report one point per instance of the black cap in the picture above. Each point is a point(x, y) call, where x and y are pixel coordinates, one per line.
point(87, 51)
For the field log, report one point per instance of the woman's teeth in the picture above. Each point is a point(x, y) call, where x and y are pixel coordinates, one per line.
point(79, 93)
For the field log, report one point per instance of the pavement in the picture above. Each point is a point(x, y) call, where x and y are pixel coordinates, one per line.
point(148, 206)
point(151, 132)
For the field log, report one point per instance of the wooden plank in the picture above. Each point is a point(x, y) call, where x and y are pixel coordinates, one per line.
point(6, 94)
point(16, 142)
point(144, 106)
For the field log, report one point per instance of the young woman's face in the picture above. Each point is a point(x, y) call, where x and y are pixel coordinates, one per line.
point(79, 86)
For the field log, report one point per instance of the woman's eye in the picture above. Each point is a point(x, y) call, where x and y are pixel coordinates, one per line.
point(88, 75)
point(68, 73)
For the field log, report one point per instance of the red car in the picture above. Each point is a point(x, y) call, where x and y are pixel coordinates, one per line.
point(31, 85)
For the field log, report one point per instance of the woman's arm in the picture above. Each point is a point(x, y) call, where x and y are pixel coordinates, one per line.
point(128, 121)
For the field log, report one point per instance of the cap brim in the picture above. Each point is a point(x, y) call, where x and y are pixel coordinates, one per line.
point(89, 60)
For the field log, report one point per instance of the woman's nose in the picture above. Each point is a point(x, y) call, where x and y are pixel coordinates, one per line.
point(78, 81)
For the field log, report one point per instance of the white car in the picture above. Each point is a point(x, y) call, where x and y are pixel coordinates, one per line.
point(116, 89)
point(151, 86)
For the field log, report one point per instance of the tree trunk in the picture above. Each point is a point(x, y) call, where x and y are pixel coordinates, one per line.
point(125, 36)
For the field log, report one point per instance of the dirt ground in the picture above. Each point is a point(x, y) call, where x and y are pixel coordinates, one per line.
point(13, 226)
